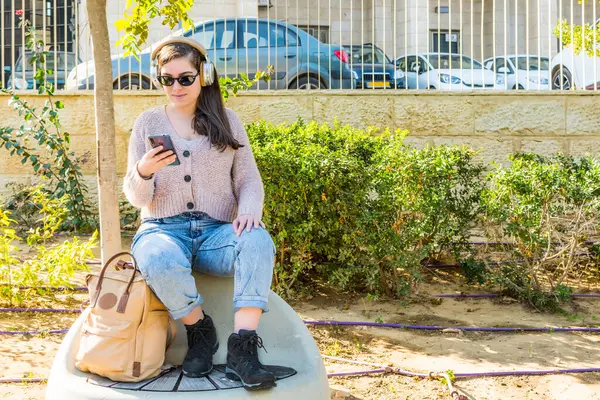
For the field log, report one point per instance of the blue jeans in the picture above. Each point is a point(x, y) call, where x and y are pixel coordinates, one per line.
point(167, 249)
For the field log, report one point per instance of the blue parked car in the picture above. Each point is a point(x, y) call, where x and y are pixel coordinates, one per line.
point(373, 68)
point(244, 45)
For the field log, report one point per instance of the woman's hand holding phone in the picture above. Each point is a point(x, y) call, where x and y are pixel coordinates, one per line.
point(151, 162)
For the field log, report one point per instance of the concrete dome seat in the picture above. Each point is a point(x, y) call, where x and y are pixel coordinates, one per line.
point(287, 341)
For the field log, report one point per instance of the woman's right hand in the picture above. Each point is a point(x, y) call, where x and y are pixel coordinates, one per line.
point(152, 161)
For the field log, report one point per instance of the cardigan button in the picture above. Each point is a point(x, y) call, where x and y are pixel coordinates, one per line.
point(190, 206)
point(186, 153)
point(187, 178)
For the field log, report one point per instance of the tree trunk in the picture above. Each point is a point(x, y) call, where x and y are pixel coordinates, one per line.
point(110, 231)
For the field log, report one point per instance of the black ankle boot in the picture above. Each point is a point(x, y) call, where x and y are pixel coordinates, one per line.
point(202, 345)
point(243, 364)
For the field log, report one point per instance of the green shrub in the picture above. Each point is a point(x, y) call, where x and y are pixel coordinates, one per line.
point(361, 205)
point(548, 207)
point(315, 179)
point(422, 204)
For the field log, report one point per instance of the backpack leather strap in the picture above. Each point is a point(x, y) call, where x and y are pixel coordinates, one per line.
point(125, 297)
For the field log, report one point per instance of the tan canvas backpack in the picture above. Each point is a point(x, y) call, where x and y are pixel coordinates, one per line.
point(126, 328)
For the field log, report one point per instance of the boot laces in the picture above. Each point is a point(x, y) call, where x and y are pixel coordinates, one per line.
point(250, 348)
point(200, 343)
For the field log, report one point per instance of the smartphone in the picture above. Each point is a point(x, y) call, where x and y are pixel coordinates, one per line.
point(166, 143)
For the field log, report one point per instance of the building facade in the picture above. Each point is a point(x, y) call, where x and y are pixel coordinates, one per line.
point(477, 28)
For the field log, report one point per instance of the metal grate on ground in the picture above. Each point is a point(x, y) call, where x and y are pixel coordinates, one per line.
point(173, 380)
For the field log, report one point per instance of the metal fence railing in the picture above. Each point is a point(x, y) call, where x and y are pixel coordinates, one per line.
point(334, 44)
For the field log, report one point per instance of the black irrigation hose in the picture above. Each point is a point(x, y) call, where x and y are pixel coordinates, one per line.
point(494, 263)
point(382, 369)
point(380, 325)
point(450, 295)
point(432, 266)
point(446, 328)
point(23, 380)
point(476, 295)
point(131, 234)
point(51, 288)
point(398, 371)
point(587, 243)
point(43, 332)
point(40, 310)
point(128, 234)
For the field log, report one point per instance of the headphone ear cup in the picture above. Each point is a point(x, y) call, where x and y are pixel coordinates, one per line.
point(201, 75)
point(208, 73)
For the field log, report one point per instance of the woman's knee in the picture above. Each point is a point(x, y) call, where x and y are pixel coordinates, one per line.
point(257, 240)
point(256, 259)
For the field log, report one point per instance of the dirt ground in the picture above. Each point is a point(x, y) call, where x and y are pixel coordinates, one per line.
point(416, 351)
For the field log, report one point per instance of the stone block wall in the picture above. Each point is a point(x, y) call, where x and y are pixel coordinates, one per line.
point(496, 123)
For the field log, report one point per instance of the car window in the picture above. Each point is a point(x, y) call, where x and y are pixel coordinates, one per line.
point(276, 34)
point(226, 36)
point(366, 54)
point(412, 63)
point(416, 64)
point(292, 38)
point(489, 64)
point(531, 63)
point(220, 35)
point(401, 63)
point(264, 34)
point(501, 63)
point(50, 60)
point(423, 64)
point(445, 61)
point(205, 34)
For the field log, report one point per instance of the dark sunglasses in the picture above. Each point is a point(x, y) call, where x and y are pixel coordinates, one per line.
point(186, 80)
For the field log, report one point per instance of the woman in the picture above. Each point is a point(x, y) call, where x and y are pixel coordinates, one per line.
point(203, 214)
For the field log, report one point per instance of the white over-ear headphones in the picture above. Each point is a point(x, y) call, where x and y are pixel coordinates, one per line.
point(207, 74)
point(206, 69)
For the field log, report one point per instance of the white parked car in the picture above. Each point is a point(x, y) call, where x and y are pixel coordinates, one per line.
point(529, 72)
point(444, 71)
point(571, 71)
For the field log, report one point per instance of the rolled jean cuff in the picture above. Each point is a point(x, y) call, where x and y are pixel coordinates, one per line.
point(250, 301)
point(182, 312)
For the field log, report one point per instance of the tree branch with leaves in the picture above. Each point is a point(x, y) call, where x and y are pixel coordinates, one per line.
point(58, 164)
point(581, 37)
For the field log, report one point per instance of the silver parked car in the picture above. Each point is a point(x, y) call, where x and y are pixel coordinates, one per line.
point(244, 45)
point(444, 71)
point(24, 76)
point(520, 71)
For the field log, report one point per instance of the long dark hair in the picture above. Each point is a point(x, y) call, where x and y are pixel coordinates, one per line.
point(210, 119)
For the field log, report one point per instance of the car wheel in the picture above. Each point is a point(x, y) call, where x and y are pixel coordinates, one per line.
point(565, 82)
point(307, 82)
point(133, 83)
point(520, 87)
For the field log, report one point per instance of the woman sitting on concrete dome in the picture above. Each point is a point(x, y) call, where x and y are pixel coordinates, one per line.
point(201, 206)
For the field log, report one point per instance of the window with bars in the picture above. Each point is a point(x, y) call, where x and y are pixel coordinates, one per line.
point(321, 32)
point(59, 30)
point(445, 42)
